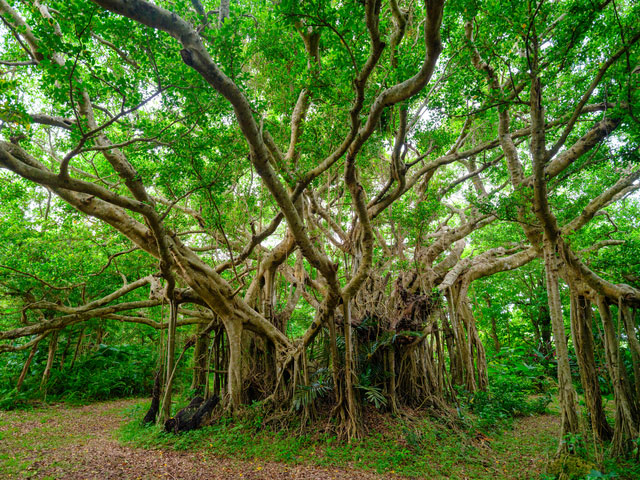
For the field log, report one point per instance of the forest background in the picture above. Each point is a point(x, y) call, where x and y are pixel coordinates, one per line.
point(324, 208)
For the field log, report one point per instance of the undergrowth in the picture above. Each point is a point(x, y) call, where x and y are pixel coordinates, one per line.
point(108, 372)
point(416, 446)
point(518, 386)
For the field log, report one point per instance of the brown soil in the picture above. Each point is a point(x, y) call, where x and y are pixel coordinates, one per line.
point(85, 448)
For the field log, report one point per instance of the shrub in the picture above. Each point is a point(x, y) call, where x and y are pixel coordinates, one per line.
point(571, 467)
point(109, 372)
point(506, 398)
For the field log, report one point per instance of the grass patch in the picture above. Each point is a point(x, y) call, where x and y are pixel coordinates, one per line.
point(27, 437)
point(418, 447)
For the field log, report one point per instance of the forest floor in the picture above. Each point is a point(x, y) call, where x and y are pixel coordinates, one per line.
point(86, 442)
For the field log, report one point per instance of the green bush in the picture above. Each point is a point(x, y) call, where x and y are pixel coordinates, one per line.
point(507, 397)
point(109, 372)
point(518, 386)
point(573, 467)
point(529, 364)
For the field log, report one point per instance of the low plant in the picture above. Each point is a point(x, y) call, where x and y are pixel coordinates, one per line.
point(574, 467)
point(105, 373)
point(109, 372)
point(507, 397)
point(419, 447)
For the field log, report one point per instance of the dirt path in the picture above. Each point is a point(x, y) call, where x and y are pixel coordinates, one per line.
point(61, 442)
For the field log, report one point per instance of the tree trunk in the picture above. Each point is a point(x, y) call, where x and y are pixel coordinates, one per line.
point(583, 342)
point(217, 360)
point(544, 322)
point(78, 345)
point(566, 393)
point(353, 428)
point(200, 355)
point(494, 328)
point(223, 12)
point(65, 351)
point(25, 368)
point(634, 346)
point(393, 396)
point(455, 361)
point(99, 336)
point(475, 344)
point(626, 422)
point(234, 373)
point(463, 344)
point(53, 345)
point(170, 361)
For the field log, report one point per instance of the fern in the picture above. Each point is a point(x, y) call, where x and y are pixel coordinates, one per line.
point(374, 395)
point(305, 395)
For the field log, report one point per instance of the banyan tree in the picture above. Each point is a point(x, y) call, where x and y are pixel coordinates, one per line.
point(348, 167)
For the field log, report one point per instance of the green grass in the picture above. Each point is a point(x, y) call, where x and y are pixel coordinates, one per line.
point(26, 436)
point(420, 447)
